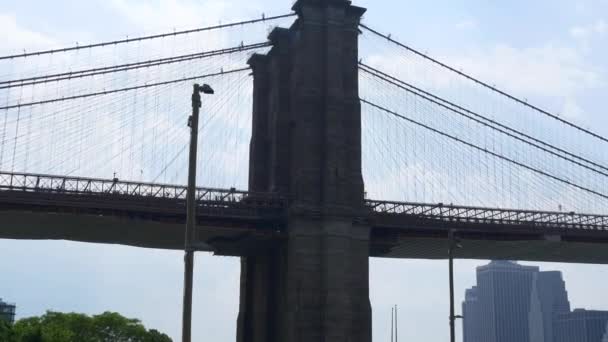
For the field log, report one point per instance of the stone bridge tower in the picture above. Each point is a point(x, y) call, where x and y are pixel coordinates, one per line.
point(306, 145)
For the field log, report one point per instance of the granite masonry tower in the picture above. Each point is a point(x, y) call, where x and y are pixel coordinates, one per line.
point(306, 145)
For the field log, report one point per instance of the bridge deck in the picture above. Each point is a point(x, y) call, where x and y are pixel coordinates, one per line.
point(239, 222)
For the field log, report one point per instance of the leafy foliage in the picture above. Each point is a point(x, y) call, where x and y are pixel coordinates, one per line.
point(73, 327)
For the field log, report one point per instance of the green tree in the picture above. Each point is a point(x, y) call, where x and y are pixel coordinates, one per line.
point(6, 331)
point(72, 327)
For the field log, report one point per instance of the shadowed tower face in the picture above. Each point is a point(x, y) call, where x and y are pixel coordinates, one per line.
point(306, 145)
point(306, 139)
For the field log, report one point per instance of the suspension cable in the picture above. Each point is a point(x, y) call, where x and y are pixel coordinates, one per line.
point(485, 85)
point(137, 39)
point(485, 121)
point(485, 150)
point(107, 92)
point(126, 67)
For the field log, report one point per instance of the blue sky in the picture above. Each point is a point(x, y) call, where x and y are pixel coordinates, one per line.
point(552, 52)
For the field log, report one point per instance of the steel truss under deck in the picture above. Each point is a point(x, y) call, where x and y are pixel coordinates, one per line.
point(221, 198)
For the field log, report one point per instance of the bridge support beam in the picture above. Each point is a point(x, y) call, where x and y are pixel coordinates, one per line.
point(314, 288)
point(327, 282)
point(306, 145)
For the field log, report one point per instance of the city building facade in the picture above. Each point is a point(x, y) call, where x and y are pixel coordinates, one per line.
point(470, 310)
point(514, 303)
point(581, 325)
point(549, 299)
point(499, 305)
point(7, 311)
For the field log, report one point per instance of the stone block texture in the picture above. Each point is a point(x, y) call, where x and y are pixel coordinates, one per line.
point(306, 145)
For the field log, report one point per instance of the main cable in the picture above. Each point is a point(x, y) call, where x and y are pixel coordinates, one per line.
point(126, 67)
point(485, 85)
point(483, 120)
point(485, 150)
point(163, 35)
point(106, 92)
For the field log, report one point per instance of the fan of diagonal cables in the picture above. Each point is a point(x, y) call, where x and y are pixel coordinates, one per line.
point(434, 134)
point(120, 108)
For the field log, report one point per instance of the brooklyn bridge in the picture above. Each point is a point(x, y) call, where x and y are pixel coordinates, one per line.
point(346, 154)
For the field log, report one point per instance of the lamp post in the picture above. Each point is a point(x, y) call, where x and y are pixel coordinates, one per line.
point(453, 243)
point(190, 211)
point(394, 324)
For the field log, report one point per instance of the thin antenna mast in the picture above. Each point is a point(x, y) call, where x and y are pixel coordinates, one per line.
point(396, 325)
point(392, 325)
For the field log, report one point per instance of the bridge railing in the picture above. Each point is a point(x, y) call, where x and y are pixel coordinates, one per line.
point(91, 186)
point(480, 215)
point(209, 197)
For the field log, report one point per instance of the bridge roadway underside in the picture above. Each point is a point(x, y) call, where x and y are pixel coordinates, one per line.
point(242, 233)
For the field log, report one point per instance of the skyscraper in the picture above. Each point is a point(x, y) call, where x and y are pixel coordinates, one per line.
point(7, 311)
point(581, 326)
point(499, 305)
point(470, 310)
point(515, 303)
point(548, 299)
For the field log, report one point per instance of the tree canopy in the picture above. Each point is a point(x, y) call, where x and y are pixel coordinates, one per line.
point(73, 327)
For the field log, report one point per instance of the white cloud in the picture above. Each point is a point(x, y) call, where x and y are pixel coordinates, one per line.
point(466, 24)
point(600, 28)
point(572, 110)
point(16, 38)
point(547, 70)
point(165, 14)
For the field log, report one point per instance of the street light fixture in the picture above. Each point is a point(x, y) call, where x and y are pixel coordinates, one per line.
point(190, 211)
point(206, 89)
